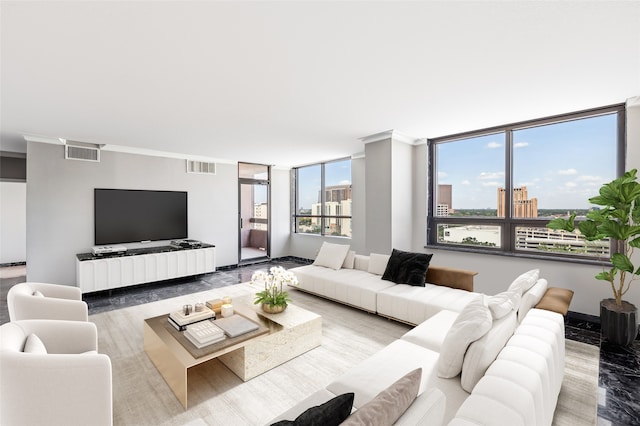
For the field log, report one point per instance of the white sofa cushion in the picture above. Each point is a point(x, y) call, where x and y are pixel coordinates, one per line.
point(431, 333)
point(503, 303)
point(33, 345)
point(361, 262)
point(484, 351)
point(472, 323)
point(415, 304)
point(427, 409)
point(378, 263)
point(349, 260)
point(370, 377)
point(331, 255)
point(351, 286)
point(531, 298)
point(525, 281)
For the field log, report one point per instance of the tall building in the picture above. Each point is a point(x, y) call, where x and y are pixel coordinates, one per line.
point(261, 211)
point(336, 193)
point(445, 198)
point(522, 205)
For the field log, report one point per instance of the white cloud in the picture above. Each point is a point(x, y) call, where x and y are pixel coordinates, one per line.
point(493, 145)
point(492, 184)
point(571, 185)
point(465, 182)
point(442, 175)
point(520, 144)
point(491, 175)
point(587, 178)
point(567, 172)
point(344, 182)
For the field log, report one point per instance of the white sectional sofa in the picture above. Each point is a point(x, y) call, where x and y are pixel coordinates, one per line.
point(491, 360)
point(362, 286)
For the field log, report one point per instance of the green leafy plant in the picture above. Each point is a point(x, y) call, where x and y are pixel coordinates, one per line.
point(273, 293)
point(618, 220)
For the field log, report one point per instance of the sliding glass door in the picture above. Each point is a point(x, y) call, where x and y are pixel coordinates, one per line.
point(253, 212)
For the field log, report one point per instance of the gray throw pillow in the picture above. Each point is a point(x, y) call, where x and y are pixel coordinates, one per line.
point(390, 404)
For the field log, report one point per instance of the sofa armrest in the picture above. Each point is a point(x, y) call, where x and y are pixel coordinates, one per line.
point(63, 337)
point(450, 277)
point(58, 291)
point(56, 389)
point(33, 307)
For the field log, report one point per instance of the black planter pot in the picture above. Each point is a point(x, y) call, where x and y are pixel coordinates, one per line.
point(619, 324)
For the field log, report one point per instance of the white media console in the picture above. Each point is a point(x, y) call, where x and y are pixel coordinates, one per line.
point(95, 273)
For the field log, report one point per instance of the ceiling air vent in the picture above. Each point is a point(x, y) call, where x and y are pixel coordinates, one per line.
point(83, 153)
point(194, 166)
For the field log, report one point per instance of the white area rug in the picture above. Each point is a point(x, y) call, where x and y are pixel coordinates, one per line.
point(218, 397)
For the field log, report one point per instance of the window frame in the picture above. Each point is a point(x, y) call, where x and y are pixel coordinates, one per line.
point(323, 217)
point(508, 224)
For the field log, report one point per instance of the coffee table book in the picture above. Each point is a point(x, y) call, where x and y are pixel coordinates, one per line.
point(179, 320)
point(203, 333)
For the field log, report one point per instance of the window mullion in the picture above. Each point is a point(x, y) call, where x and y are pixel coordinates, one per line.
point(507, 231)
point(323, 199)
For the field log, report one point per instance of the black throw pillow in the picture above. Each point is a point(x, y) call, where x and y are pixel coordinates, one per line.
point(331, 413)
point(407, 268)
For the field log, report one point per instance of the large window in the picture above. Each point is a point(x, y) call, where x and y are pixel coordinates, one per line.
point(323, 198)
point(495, 190)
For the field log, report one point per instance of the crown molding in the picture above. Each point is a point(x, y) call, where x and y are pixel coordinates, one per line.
point(390, 134)
point(127, 149)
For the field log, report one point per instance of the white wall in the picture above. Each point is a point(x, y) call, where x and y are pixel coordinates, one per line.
point(13, 222)
point(280, 212)
point(379, 200)
point(60, 204)
point(402, 195)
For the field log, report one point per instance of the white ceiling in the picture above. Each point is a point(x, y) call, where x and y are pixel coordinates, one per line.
point(290, 83)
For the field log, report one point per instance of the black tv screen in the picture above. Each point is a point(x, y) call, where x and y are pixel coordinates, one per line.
point(125, 216)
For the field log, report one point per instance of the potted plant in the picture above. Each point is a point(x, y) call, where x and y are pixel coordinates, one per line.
point(273, 298)
point(619, 220)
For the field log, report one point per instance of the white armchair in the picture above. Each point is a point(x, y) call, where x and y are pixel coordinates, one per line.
point(63, 381)
point(46, 301)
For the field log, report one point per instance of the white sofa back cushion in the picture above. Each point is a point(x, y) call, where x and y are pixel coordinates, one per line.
point(473, 322)
point(503, 303)
point(378, 263)
point(361, 262)
point(349, 260)
point(484, 351)
point(331, 255)
point(525, 281)
point(532, 297)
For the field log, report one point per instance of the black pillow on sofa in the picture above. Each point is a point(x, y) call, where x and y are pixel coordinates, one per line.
point(331, 413)
point(407, 268)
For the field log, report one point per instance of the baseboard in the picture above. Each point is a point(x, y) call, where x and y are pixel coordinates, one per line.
point(6, 265)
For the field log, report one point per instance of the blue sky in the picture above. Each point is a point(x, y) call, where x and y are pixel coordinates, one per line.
point(561, 164)
point(336, 173)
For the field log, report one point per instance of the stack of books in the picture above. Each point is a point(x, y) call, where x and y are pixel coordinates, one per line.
point(203, 333)
point(215, 305)
point(180, 321)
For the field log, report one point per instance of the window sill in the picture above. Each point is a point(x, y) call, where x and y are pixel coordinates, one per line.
point(521, 255)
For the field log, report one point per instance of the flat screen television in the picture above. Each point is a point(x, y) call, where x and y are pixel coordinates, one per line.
point(127, 215)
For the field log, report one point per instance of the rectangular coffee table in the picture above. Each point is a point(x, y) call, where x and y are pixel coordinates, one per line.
point(281, 337)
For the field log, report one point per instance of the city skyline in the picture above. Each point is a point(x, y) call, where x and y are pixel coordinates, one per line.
point(562, 164)
point(309, 180)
